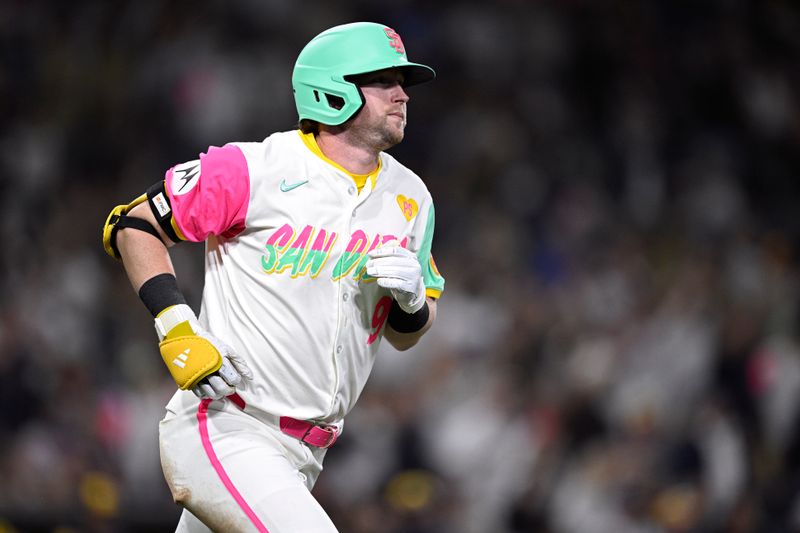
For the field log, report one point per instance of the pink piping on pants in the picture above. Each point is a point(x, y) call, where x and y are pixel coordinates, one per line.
point(202, 418)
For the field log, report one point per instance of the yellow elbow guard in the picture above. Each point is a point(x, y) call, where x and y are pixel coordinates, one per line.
point(189, 359)
point(117, 220)
point(157, 199)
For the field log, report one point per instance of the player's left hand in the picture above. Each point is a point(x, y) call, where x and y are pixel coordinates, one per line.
point(398, 269)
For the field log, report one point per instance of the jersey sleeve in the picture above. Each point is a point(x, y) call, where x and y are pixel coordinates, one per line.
point(210, 195)
point(434, 281)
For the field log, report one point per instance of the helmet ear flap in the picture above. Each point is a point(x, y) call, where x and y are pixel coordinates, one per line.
point(333, 104)
point(336, 102)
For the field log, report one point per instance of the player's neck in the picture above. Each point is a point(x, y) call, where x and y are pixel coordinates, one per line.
point(353, 158)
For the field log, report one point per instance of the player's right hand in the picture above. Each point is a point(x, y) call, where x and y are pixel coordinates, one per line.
point(196, 359)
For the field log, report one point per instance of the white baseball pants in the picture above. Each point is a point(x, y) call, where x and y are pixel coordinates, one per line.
point(234, 473)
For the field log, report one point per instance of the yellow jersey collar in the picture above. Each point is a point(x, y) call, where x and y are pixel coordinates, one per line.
point(360, 179)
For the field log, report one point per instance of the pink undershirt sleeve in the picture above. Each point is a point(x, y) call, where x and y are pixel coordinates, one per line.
point(215, 200)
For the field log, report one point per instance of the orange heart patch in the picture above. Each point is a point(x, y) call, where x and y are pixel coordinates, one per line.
point(408, 206)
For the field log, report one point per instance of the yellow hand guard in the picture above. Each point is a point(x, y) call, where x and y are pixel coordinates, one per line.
point(189, 354)
point(189, 359)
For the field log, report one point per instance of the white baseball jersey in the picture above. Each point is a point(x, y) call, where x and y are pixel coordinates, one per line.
point(287, 235)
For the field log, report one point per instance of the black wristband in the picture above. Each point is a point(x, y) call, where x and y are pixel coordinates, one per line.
point(160, 292)
point(403, 322)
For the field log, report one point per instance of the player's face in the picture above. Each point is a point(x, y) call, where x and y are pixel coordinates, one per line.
point(381, 122)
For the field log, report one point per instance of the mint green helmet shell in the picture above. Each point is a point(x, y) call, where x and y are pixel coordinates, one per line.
point(347, 50)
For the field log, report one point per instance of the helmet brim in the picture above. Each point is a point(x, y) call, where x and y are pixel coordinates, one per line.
point(415, 73)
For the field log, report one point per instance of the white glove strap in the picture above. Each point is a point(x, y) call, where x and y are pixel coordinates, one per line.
point(172, 317)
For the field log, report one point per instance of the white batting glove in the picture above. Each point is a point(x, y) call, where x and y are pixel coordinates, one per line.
point(233, 374)
point(196, 359)
point(398, 269)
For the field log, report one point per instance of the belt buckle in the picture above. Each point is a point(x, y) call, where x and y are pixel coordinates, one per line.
point(333, 434)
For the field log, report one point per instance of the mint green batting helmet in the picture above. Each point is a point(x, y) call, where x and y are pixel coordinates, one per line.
point(324, 64)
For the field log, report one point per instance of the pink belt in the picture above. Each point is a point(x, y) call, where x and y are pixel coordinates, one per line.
point(312, 434)
point(308, 432)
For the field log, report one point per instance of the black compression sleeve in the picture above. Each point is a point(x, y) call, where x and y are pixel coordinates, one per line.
point(160, 292)
point(403, 322)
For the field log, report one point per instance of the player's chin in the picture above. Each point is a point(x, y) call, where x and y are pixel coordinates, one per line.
point(396, 134)
point(389, 138)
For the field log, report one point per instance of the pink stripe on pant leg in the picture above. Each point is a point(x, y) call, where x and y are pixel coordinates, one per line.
point(202, 417)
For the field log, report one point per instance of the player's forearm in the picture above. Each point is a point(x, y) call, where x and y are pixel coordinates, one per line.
point(404, 341)
point(143, 256)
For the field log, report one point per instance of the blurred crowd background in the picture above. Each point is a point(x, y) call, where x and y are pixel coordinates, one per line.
point(616, 187)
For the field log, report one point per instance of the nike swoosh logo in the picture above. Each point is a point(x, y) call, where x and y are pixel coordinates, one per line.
point(293, 186)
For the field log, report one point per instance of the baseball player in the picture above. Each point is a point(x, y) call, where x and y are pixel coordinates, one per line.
point(318, 245)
